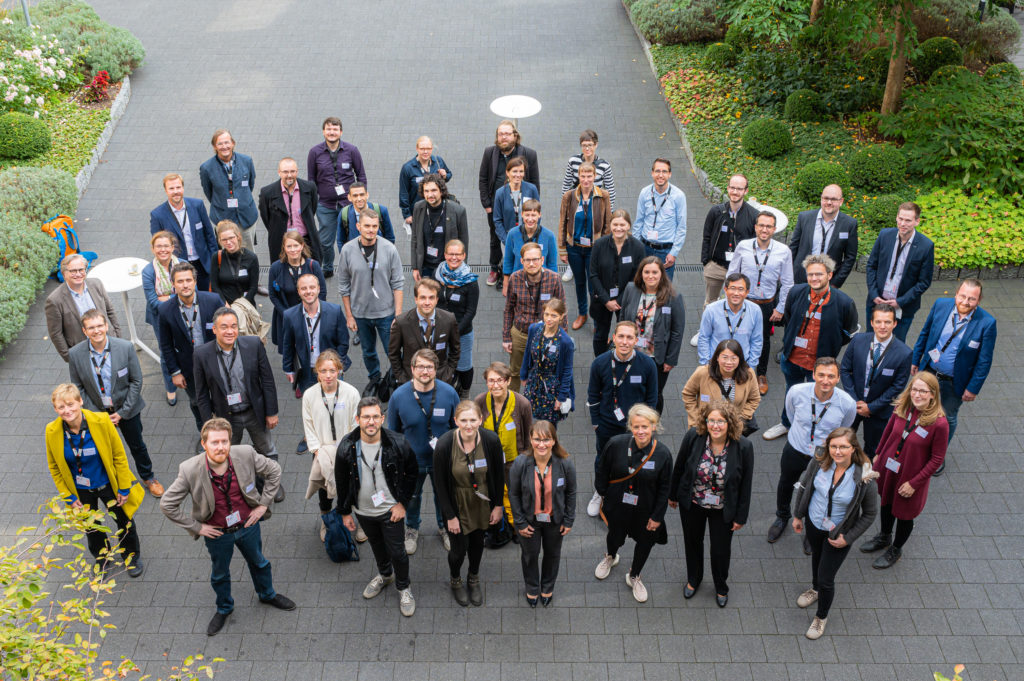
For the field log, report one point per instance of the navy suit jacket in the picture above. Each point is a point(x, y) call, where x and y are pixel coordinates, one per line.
point(175, 341)
point(212, 389)
point(917, 274)
point(214, 180)
point(842, 249)
point(162, 218)
point(977, 345)
point(295, 340)
point(891, 374)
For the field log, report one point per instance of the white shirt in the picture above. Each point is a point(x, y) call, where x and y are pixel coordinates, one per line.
point(871, 351)
point(892, 284)
point(776, 274)
point(816, 241)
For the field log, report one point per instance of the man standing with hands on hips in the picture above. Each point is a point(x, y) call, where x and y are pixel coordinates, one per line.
point(333, 165)
point(227, 179)
point(661, 216)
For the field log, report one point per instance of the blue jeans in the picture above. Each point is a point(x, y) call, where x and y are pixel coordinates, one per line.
point(368, 330)
point(793, 375)
point(579, 263)
point(465, 352)
point(250, 545)
point(168, 383)
point(328, 219)
point(412, 515)
point(950, 403)
point(661, 254)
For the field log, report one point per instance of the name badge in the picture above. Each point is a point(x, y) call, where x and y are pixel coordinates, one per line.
point(921, 432)
point(439, 230)
point(728, 256)
point(888, 372)
point(666, 310)
point(973, 344)
point(440, 346)
point(552, 347)
point(626, 259)
point(636, 379)
point(893, 465)
point(584, 241)
point(630, 499)
point(725, 228)
point(829, 525)
point(245, 183)
point(377, 498)
point(250, 488)
point(543, 517)
point(431, 251)
point(433, 442)
point(209, 325)
point(712, 499)
point(122, 373)
point(232, 518)
point(844, 235)
point(438, 411)
point(243, 272)
point(82, 481)
point(935, 355)
point(107, 402)
point(816, 315)
point(613, 293)
point(234, 398)
point(418, 179)
point(800, 342)
point(346, 166)
point(618, 414)
point(339, 406)
point(899, 313)
point(456, 297)
point(649, 465)
point(545, 296)
point(641, 343)
point(480, 463)
point(652, 235)
point(339, 189)
point(705, 398)
point(560, 482)
point(232, 203)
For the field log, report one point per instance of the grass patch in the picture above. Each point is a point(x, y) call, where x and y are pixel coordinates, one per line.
point(75, 131)
point(672, 57)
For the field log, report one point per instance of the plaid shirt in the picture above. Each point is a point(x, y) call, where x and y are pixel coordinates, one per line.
point(525, 301)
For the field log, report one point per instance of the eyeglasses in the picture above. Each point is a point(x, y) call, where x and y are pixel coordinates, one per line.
point(526, 260)
point(77, 270)
point(920, 391)
point(840, 448)
point(736, 289)
point(541, 440)
point(424, 367)
point(717, 422)
point(737, 189)
point(832, 199)
point(374, 417)
point(496, 381)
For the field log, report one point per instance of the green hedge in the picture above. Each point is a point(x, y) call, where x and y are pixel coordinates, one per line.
point(937, 52)
point(677, 21)
point(106, 48)
point(27, 256)
point(815, 176)
point(34, 195)
point(977, 231)
point(878, 168)
point(804, 105)
point(22, 136)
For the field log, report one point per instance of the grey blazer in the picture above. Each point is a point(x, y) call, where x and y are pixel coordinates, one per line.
point(65, 324)
point(455, 227)
point(193, 479)
point(563, 494)
point(125, 374)
point(668, 328)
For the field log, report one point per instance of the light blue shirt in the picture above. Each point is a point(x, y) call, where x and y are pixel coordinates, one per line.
point(83, 300)
point(715, 328)
point(803, 407)
point(97, 358)
point(817, 246)
point(817, 510)
point(661, 217)
point(954, 321)
point(776, 265)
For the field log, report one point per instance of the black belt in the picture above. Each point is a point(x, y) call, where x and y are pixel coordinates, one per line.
point(231, 530)
point(658, 245)
point(941, 376)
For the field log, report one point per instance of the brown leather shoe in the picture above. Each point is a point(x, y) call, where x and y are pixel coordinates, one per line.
point(762, 384)
point(579, 322)
point(154, 487)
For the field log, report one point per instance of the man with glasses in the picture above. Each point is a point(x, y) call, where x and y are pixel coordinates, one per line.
point(423, 410)
point(734, 318)
point(661, 216)
point(415, 169)
point(66, 305)
point(826, 231)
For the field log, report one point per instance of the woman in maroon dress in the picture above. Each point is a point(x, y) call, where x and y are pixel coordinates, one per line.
point(912, 448)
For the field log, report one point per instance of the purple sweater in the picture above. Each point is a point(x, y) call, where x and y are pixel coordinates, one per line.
point(320, 169)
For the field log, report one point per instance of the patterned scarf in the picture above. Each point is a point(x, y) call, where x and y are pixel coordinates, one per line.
point(163, 284)
point(460, 277)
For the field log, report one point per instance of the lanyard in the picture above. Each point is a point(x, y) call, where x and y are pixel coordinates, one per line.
point(585, 205)
point(428, 414)
point(330, 411)
point(730, 394)
point(761, 265)
point(716, 465)
point(311, 330)
point(809, 315)
point(617, 383)
point(875, 365)
point(372, 265)
point(98, 368)
point(80, 450)
point(644, 314)
point(896, 261)
point(657, 207)
point(739, 322)
point(229, 170)
point(536, 312)
point(223, 483)
point(907, 427)
point(517, 206)
point(190, 324)
point(824, 234)
point(227, 367)
point(629, 458)
point(832, 490)
point(469, 459)
point(297, 272)
point(373, 468)
point(535, 239)
point(815, 418)
point(184, 217)
point(956, 331)
point(544, 478)
point(334, 160)
point(496, 419)
point(432, 228)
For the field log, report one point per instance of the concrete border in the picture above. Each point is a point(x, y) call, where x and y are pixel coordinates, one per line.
point(116, 111)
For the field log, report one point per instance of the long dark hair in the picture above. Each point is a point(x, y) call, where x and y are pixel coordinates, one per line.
point(547, 429)
point(665, 291)
point(742, 373)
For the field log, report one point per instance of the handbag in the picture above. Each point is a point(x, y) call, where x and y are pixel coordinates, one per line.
point(382, 387)
point(338, 542)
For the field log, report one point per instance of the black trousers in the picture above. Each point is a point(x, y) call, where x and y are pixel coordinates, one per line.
point(602, 317)
point(662, 380)
point(792, 466)
point(387, 541)
point(903, 527)
point(131, 429)
point(190, 390)
point(825, 562)
point(539, 574)
point(766, 328)
point(617, 537)
point(694, 519)
point(495, 255)
point(98, 541)
point(463, 544)
point(873, 429)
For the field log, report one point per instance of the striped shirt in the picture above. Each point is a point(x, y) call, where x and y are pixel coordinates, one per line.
point(602, 178)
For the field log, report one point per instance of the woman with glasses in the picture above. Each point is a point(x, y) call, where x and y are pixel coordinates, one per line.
point(156, 284)
point(236, 270)
point(294, 261)
point(711, 482)
point(459, 295)
point(542, 489)
point(546, 373)
point(912, 448)
point(836, 500)
point(727, 377)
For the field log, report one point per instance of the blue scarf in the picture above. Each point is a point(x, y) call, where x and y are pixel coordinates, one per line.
point(458, 278)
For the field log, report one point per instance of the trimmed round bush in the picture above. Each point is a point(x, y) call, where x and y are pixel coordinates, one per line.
point(817, 175)
point(719, 55)
point(34, 195)
point(936, 52)
point(804, 105)
point(1004, 71)
point(22, 136)
point(767, 138)
point(946, 74)
point(875, 63)
point(740, 38)
point(878, 167)
point(878, 213)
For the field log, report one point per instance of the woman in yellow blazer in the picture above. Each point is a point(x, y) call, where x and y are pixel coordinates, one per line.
point(726, 376)
point(89, 468)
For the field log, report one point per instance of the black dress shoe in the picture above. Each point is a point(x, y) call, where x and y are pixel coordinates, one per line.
point(722, 600)
point(281, 602)
point(216, 623)
point(877, 543)
point(776, 530)
point(531, 601)
point(887, 559)
point(546, 600)
point(279, 497)
point(807, 545)
point(171, 401)
point(940, 470)
point(328, 274)
point(136, 569)
point(689, 591)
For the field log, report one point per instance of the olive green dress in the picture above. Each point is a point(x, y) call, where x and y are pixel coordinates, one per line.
point(474, 510)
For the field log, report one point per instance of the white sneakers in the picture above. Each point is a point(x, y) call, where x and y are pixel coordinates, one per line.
point(377, 585)
point(411, 538)
point(604, 568)
point(775, 432)
point(407, 604)
point(594, 506)
point(693, 341)
point(360, 535)
point(567, 275)
point(639, 590)
point(817, 628)
point(807, 598)
point(444, 539)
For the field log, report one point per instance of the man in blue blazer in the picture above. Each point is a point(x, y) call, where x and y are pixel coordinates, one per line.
point(956, 344)
point(187, 220)
point(825, 231)
point(228, 179)
point(875, 369)
point(900, 268)
point(186, 322)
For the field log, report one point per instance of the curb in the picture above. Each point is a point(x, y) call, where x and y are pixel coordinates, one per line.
point(116, 111)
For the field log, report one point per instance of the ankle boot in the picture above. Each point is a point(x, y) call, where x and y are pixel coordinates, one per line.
point(459, 592)
point(465, 381)
point(476, 592)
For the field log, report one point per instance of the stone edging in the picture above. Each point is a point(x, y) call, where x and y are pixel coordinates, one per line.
point(116, 111)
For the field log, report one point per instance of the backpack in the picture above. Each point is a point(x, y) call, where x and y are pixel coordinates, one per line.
point(61, 229)
point(338, 541)
point(382, 387)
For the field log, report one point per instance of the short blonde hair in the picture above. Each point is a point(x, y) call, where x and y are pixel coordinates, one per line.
point(226, 225)
point(643, 411)
point(173, 176)
point(65, 392)
point(468, 405)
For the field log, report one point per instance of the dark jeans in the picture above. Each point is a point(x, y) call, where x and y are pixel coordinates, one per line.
point(387, 540)
point(873, 429)
point(250, 545)
point(902, 326)
point(579, 263)
point(412, 514)
point(495, 257)
point(131, 429)
point(427, 271)
point(951, 402)
point(794, 375)
point(369, 330)
point(604, 433)
point(463, 544)
point(202, 276)
point(190, 390)
point(328, 219)
point(602, 326)
point(792, 466)
point(99, 541)
point(617, 537)
point(662, 380)
point(825, 562)
point(257, 430)
point(903, 527)
point(168, 383)
point(540, 575)
point(661, 253)
point(694, 519)
point(766, 328)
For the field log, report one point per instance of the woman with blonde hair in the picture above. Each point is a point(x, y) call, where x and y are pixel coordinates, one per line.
point(157, 286)
point(236, 270)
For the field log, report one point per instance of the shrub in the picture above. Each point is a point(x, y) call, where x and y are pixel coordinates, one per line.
point(767, 138)
point(719, 56)
point(677, 21)
point(981, 230)
point(739, 37)
point(34, 195)
point(875, 214)
point(803, 105)
point(22, 136)
point(811, 38)
point(879, 167)
point(817, 175)
point(946, 73)
point(994, 39)
point(875, 63)
point(27, 256)
point(776, 21)
point(105, 47)
point(1004, 72)
point(936, 52)
point(32, 66)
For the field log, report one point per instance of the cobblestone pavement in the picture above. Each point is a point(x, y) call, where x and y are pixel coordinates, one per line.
point(271, 71)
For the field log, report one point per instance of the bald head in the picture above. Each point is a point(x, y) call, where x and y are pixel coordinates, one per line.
point(831, 201)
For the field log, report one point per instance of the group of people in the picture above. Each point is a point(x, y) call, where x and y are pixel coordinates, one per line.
point(497, 468)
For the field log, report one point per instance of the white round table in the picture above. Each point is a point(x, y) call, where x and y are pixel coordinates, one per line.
point(515, 107)
point(121, 275)
point(781, 221)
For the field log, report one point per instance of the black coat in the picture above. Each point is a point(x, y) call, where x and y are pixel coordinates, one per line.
point(743, 228)
point(489, 182)
point(397, 460)
point(212, 390)
point(842, 245)
point(651, 485)
point(274, 214)
point(739, 475)
point(175, 341)
point(226, 277)
point(607, 271)
point(444, 480)
point(562, 478)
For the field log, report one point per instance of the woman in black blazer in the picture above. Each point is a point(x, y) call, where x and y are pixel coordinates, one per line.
point(469, 480)
point(711, 483)
point(283, 280)
point(542, 493)
point(236, 270)
point(634, 478)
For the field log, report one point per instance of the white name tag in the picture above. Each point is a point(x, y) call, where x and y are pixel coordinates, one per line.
point(893, 465)
point(844, 235)
point(630, 499)
point(973, 344)
point(439, 230)
point(636, 379)
point(107, 402)
point(209, 325)
point(560, 482)
point(641, 343)
point(816, 315)
point(235, 398)
point(921, 432)
point(614, 293)
point(545, 296)
point(82, 481)
point(243, 272)
point(552, 347)
point(339, 406)
point(510, 425)
point(712, 499)
point(346, 166)
point(438, 411)
point(122, 373)
point(433, 442)
point(418, 179)
point(456, 297)
point(440, 346)
point(800, 342)
point(584, 241)
point(245, 183)
point(649, 465)
point(480, 463)
point(888, 372)
point(829, 525)
point(339, 189)
point(232, 518)
point(666, 310)
point(377, 498)
point(543, 517)
point(935, 355)
point(232, 203)
point(705, 398)
point(618, 414)
point(626, 259)
point(431, 251)
point(725, 228)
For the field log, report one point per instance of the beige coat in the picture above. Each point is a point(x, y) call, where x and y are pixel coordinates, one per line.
point(63, 322)
point(701, 388)
point(316, 425)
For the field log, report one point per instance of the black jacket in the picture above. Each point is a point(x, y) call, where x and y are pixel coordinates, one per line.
point(211, 389)
point(739, 475)
point(860, 514)
point(274, 214)
point(743, 228)
point(444, 481)
point(462, 303)
point(175, 341)
point(562, 478)
point(489, 180)
point(226, 276)
point(607, 271)
point(397, 460)
point(651, 485)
